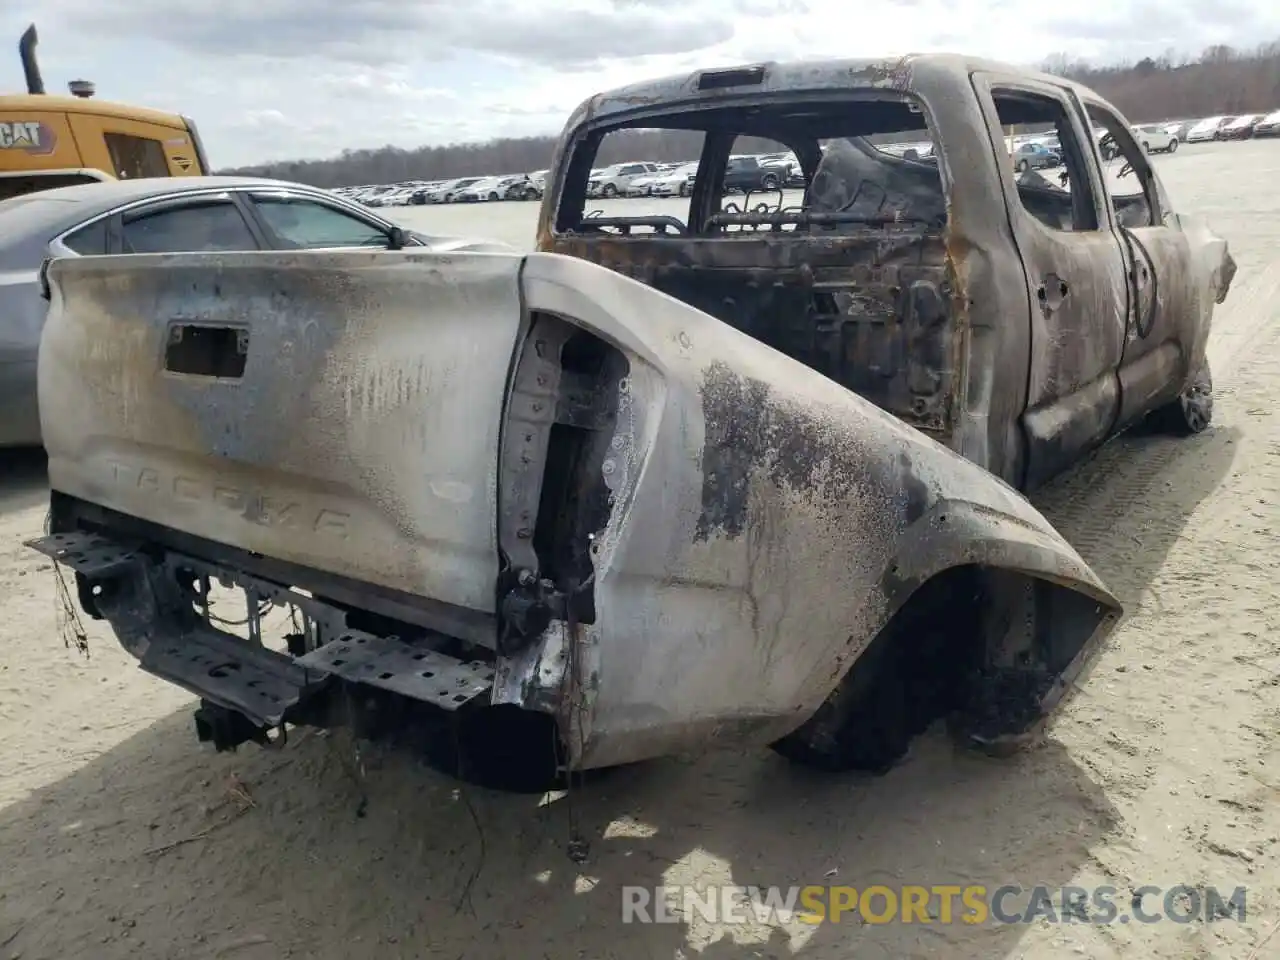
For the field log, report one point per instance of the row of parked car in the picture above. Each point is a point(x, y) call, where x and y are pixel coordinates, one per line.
point(518, 186)
point(772, 171)
point(745, 173)
point(1041, 151)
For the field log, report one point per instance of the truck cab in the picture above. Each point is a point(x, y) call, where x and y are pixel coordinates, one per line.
point(1019, 319)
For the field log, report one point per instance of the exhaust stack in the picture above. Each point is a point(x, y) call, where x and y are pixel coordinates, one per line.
point(27, 51)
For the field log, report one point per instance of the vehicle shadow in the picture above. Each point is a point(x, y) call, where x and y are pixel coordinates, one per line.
point(23, 480)
point(1127, 505)
point(147, 852)
point(152, 850)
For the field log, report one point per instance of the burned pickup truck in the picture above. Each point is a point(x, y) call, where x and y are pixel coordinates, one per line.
point(738, 479)
point(1019, 320)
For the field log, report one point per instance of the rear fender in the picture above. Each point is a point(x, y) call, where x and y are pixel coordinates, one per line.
point(764, 525)
point(1045, 613)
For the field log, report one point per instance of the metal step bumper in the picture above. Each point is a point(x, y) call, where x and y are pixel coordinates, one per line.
point(135, 589)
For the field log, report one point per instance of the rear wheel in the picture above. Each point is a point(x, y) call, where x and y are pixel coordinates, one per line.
point(1192, 411)
point(1024, 166)
point(609, 190)
point(907, 676)
point(684, 189)
point(769, 182)
point(1146, 147)
point(1173, 145)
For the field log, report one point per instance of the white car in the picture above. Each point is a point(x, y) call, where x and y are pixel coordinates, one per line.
point(537, 185)
point(674, 183)
point(613, 181)
point(490, 188)
point(1206, 129)
point(643, 186)
point(1268, 126)
point(788, 162)
point(445, 192)
point(1155, 138)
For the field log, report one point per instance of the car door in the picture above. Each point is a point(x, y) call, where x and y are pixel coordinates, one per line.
point(189, 224)
point(296, 221)
point(1075, 272)
point(1163, 324)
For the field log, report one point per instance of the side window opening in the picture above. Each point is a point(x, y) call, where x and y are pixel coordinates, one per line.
point(300, 224)
point(205, 227)
point(601, 175)
point(1128, 179)
point(1052, 184)
point(865, 161)
point(133, 158)
point(90, 240)
point(757, 175)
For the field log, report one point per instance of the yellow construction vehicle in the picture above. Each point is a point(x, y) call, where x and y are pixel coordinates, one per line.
point(54, 141)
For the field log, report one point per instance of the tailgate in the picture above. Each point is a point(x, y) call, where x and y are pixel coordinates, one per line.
point(337, 410)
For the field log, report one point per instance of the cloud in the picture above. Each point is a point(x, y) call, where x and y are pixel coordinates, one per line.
point(373, 32)
point(275, 79)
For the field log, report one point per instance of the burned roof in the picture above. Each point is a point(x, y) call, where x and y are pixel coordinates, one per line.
point(907, 74)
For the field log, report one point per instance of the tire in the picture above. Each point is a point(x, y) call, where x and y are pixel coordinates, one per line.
point(1192, 412)
point(609, 191)
point(684, 189)
point(1173, 145)
point(769, 182)
point(1024, 165)
point(1146, 147)
point(885, 699)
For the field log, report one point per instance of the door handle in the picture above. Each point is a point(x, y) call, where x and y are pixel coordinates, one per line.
point(1052, 292)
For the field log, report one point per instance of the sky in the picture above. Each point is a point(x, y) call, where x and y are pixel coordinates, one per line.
point(291, 79)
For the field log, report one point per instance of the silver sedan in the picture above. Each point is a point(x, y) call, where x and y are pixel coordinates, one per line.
point(161, 215)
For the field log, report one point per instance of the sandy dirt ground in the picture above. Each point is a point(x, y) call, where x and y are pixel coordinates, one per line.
point(121, 837)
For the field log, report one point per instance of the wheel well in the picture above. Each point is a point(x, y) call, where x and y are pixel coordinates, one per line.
point(979, 646)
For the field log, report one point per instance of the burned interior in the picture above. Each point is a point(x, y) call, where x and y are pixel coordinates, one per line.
point(848, 276)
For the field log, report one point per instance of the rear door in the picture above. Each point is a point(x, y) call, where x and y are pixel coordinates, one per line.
point(1076, 275)
point(202, 223)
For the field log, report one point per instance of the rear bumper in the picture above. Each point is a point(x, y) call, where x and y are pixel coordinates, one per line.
point(146, 594)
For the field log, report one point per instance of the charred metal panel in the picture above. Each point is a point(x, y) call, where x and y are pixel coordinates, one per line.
point(750, 522)
point(873, 310)
point(557, 457)
point(361, 439)
point(745, 562)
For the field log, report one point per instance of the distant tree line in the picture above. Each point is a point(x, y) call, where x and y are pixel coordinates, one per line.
point(1222, 80)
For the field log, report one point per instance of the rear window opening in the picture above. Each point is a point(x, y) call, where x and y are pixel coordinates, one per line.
point(832, 165)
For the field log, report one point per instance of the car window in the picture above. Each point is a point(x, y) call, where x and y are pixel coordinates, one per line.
point(88, 241)
point(301, 224)
point(1129, 180)
point(1059, 202)
point(198, 227)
